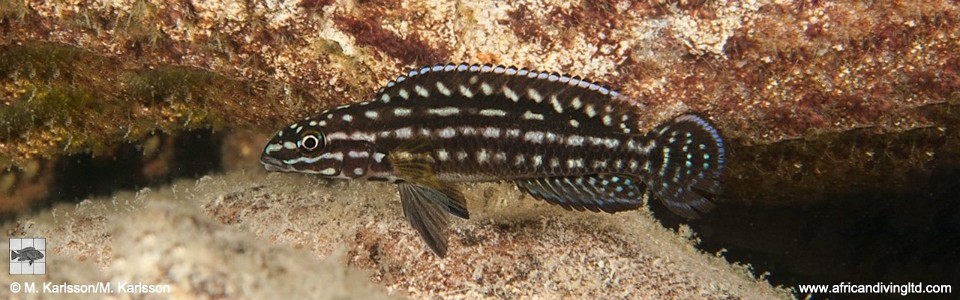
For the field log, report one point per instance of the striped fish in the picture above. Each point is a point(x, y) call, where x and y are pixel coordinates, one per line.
point(561, 139)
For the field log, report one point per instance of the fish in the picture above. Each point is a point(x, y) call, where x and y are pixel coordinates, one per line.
point(559, 138)
point(29, 253)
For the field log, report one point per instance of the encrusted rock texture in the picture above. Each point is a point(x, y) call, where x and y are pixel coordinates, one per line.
point(85, 76)
point(762, 70)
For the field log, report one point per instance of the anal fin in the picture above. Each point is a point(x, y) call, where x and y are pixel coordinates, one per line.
point(601, 192)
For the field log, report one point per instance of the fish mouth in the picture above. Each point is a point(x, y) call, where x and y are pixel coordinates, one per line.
point(273, 164)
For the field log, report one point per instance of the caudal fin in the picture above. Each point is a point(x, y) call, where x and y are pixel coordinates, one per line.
point(685, 164)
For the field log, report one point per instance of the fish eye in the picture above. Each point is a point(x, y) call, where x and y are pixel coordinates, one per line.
point(311, 141)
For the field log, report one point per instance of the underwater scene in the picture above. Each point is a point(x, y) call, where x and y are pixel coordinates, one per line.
point(426, 149)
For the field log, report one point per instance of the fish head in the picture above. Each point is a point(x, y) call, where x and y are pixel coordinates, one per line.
point(303, 147)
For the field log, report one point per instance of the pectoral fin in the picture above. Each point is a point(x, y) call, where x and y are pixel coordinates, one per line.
point(424, 210)
point(425, 198)
point(412, 163)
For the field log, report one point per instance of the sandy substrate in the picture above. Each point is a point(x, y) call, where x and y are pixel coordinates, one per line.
point(250, 235)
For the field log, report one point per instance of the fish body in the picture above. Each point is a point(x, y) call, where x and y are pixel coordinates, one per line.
point(561, 139)
point(29, 253)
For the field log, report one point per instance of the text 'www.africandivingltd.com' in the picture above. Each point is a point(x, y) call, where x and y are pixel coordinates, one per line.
point(876, 288)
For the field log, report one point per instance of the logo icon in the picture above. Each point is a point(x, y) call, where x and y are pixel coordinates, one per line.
point(27, 256)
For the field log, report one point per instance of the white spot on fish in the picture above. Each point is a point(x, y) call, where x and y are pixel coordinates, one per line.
point(575, 163)
point(447, 132)
point(443, 155)
point(313, 123)
point(575, 103)
point(513, 132)
point(289, 145)
point(491, 132)
point(486, 88)
point(607, 120)
point(574, 140)
point(385, 98)
point(532, 116)
point(500, 156)
point(482, 156)
point(421, 91)
point(535, 137)
point(370, 114)
point(273, 148)
point(377, 157)
point(493, 112)
point(443, 89)
point(467, 130)
point(533, 94)
point(556, 104)
point(611, 143)
point(444, 111)
point(537, 160)
point(403, 133)
point(358, 154)
point(322, 123)
point(551, 137)
point(510, 94)
point(666, 161)
point(574, 123)
point(465, 91)
point(337, 136)
point(358, 171)
point(362, 136)
point(599, 164)
point(461, 155)
point(328, 171)
point(590, 111)
point(401, 112)
point(554, 162)
point(403, 94)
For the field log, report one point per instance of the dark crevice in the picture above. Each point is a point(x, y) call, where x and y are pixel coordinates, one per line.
point(846, 229)
point(189, 154)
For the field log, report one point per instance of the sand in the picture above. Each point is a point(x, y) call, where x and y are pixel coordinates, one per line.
point(248, 234)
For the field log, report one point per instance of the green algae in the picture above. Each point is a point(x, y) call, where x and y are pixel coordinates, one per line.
point(61, 100)
point(823, 165)
point(45, 104)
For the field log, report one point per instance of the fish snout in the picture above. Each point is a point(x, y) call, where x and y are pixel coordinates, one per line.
point(272, 164)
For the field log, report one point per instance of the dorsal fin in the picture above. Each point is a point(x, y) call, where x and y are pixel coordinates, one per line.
point(587, 103)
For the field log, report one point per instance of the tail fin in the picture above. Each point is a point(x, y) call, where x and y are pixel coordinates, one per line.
point(14, 254)
point(685, 163)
